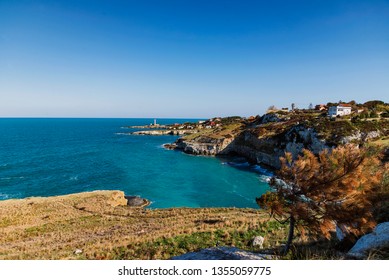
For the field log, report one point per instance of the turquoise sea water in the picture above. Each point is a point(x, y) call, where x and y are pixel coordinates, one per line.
point(45, 157)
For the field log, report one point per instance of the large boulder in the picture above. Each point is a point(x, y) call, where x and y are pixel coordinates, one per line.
point(223, 253)
point(136, 201)
point(379, 238)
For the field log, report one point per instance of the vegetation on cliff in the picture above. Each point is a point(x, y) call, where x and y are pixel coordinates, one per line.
point(319, 193)
point(263, 139)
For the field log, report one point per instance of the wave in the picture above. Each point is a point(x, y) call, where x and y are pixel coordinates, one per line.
point(235, 192)
point(238, 164)
point(264, 178)
point(262, 171)
point(73, 178)
point(11, 178)
point(4, 196)
point(5, 166)
point(122, 133)
point(255, 168)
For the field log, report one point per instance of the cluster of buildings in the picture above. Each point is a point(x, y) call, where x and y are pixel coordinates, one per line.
point(211, 123)
point(342, 109)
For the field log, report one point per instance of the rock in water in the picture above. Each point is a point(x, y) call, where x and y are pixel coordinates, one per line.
point(119, 199)
point(379, 238)
point(136, 201)
point(172, 146)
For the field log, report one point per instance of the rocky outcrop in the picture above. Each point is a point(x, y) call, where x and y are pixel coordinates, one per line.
point(271, 117)
point(260, 150)
point(223, 253)
point(118, 198)
point(360, 137)
point(136, 201)
point(203, 146)
point(376, 240)
point(264, 140)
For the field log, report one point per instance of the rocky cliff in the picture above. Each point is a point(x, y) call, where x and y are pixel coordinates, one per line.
point(205, 146)
point(256, 149)
point(266, 139)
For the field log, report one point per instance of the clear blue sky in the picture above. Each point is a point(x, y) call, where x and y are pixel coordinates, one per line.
point(188, 58)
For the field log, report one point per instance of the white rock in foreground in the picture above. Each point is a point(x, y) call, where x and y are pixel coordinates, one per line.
point(258, 241)
point(377, 239)
point(223, 253)
point(78, 251)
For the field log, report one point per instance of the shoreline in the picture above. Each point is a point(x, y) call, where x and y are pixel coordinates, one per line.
point(119, 198)
point(64, 196)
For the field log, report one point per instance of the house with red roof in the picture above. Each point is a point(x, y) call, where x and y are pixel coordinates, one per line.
point(340, 110)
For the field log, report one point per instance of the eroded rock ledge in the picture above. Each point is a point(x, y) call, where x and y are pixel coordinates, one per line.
point(257, 149)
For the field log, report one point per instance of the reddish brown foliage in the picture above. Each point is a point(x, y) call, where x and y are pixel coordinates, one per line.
point(319, 192)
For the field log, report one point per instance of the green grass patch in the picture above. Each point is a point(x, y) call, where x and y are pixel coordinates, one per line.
point(38, 230)
point(5, 222)
point(167, 247)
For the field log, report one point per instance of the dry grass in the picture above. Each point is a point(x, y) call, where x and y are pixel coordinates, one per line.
point(382, 142)
point(216, 133)
point(103, 227)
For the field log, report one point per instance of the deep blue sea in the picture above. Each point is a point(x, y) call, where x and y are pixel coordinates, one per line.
point(46, 157)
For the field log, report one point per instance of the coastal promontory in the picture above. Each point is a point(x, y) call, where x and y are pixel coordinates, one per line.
point(264, 139)
point(105, 225)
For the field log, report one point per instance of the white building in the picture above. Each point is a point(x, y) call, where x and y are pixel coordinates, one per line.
point(340, 110)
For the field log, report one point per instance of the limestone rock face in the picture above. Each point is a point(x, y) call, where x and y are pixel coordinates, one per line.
point(359, 136)
point(117, 199)
point(266, 148)
point(207, 146)
point(256, 149)
point(223, 253)
point(379, 238)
